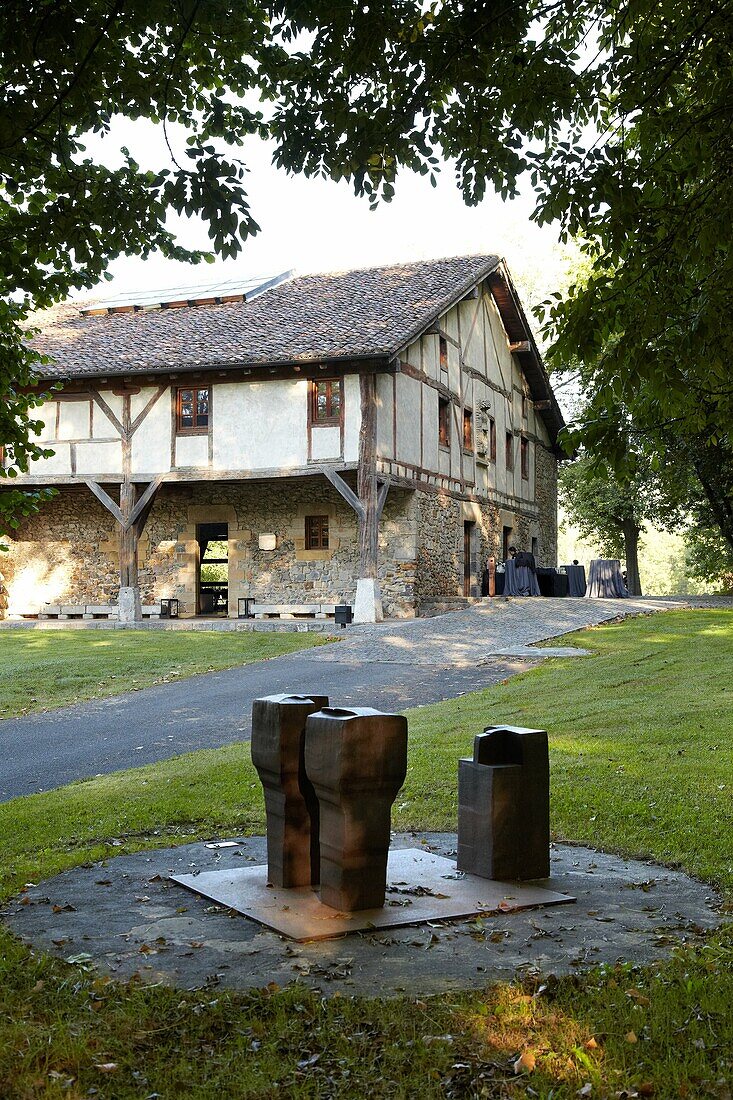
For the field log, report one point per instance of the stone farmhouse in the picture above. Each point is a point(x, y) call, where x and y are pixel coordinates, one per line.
point(367, 437)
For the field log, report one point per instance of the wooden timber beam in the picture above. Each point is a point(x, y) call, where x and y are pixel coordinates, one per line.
point(346, 492)
point(141, 508)
point(105, 499)
point(366, 478)
point(382, 497)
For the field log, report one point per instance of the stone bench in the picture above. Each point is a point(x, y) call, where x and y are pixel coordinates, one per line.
point(293, 610)
point(89, 611)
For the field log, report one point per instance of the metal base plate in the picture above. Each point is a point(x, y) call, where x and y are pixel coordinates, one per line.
point(420, 887)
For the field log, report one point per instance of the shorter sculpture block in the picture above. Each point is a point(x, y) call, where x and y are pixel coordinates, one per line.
point(504, 805)
point(278, 734)
point(357, 761)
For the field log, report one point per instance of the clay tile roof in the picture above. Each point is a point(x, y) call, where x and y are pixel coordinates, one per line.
point(362, 314)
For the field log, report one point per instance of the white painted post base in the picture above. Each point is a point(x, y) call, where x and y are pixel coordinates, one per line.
point(368, 602)
point(130, 606)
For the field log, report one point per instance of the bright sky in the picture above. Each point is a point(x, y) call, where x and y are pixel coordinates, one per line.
point(317, 225)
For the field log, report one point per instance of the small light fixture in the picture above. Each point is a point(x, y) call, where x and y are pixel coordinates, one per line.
point(267, 541)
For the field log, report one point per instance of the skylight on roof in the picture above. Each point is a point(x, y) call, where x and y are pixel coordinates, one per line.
point(197, 294)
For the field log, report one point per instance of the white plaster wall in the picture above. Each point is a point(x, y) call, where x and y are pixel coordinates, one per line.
point(352, 416)
point(114, 401)
point(325, 442)
point(58, 463)
point(408, 427)
point(471, 315)
point(46, 413)
point(74, 419)
point(98, 459)
point(151, 443)
point(260, 425)
point(192, 450)
point(102, 426)
point(385, 421)
point(431, 356)
point(430, 428)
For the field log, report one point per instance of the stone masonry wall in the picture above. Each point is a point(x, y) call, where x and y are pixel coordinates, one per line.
point(546, 499)
point(62, 553)
point(68, 552)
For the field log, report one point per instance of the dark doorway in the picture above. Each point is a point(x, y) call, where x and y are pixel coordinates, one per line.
point(213, 568)
point(467, 557)
point(506, 542)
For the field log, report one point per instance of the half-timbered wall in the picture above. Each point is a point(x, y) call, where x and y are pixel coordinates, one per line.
point(253, 426)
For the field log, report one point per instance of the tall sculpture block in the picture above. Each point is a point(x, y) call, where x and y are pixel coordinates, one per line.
point(357, 761)
point(278, 736)
point(504, 805)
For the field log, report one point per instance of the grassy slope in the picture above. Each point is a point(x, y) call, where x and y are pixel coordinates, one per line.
point(52, 668)
point(641, 760)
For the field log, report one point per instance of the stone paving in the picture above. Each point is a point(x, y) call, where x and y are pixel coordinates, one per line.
point(125, 917)
point(470, 636)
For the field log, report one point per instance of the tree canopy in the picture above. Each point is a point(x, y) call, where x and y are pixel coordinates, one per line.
point(619, 112)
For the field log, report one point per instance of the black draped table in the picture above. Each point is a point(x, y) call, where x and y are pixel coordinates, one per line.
point(519, 580)
point(605, 581)
point(576, 579)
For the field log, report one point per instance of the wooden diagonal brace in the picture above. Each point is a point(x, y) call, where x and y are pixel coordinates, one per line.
point(142, 504)
point(107, 412)
point(106, 500)
point(141, 415)
point(382, 497)
point(346, 492)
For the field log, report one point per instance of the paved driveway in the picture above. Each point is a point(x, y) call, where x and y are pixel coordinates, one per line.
point(391, 666)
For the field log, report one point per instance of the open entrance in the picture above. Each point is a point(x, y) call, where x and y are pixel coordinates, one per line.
point(213, 568)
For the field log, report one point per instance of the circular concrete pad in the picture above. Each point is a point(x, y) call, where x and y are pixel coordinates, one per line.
point(126, 917)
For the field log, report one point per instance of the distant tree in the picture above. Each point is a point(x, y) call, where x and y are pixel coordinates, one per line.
point(613, 512)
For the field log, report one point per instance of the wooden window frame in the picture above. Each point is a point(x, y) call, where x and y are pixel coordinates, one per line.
point(524, 457)
point(444, 422)
point(492, 439)
point(509, 451)
point(196, 429)
point(443, 353)
point(468, 430)
point(332, 418)
point(525, 406)
point(316, 533)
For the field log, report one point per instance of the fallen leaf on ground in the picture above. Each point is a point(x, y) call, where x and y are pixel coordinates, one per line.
point(525, 1063)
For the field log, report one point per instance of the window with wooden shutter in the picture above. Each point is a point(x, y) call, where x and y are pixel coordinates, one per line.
point(192, 410)
point(444, 422)
point(326, 400)
point(509, 451)
point(316, 532)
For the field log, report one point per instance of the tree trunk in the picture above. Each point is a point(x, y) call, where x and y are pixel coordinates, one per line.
point(713, 466)
point(631, 549)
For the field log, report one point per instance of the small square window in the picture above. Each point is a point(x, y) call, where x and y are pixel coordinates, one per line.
point(509, 451)
point(316, 532)
point(326, 401)
point(444, 422)
point(467, 430)
point(192, 410)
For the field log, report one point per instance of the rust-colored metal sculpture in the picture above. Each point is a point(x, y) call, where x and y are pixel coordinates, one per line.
point(504, 805)
point(278, 735)
point(356, 760)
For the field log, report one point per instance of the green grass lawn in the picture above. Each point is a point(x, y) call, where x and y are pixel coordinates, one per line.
point(641, 756)
point(52, 668)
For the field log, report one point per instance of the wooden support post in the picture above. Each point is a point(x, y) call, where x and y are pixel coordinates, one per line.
point(367, 478)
